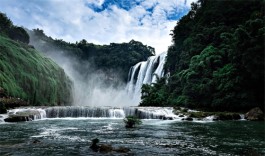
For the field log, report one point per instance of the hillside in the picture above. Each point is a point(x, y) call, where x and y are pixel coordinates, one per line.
point(26, 74)
point(216, 61)
point(113, 59)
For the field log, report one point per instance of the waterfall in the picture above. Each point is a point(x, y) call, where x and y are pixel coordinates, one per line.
point(93, 112)
point(108, 112)
point(145, 72)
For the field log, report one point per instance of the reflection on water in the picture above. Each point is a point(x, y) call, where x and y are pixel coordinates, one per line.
point(153, 137)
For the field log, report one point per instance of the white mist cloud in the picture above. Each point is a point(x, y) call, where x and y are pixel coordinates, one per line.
point(150, 21)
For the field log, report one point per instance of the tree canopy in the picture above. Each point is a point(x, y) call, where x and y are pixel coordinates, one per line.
point(216, 61)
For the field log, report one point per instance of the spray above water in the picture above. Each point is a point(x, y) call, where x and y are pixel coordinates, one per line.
point(91, 86)
point(95, 87)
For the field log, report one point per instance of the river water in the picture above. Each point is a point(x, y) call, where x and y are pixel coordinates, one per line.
point(72, 136)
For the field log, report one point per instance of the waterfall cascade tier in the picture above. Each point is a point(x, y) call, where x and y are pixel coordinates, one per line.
point(145, 72)
point(106, 112)
point(96, 112)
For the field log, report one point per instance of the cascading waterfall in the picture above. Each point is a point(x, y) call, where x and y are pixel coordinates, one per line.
point(94, 112)
point(107, 112)
point(145, 72)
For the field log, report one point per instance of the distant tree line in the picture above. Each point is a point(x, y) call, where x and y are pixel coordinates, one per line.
point(118, 57)
point(14, 32)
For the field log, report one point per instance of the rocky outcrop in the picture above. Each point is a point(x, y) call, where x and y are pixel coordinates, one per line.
point(227, 116)
point(255, 114)
point(17, 118)
point(28, 115)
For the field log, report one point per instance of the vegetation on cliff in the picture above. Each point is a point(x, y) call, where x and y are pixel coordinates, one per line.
point(118, 57)
point(216, 61)
point(25, 73)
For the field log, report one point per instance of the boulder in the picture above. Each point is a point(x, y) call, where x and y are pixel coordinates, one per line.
point(215, 118)
point(27, 115)
point(122, 150)
point(255, 114)
point(105, 148)
point(36, 141)
point(167, 118)
point(17, 119)
point(188, 119)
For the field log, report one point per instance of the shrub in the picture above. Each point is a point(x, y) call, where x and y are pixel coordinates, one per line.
point(131, 121)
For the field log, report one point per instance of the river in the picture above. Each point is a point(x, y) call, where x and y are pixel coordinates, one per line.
point(72, 136)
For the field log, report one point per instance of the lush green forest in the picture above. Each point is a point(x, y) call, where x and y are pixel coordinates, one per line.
point(118, 57)
point(216, 61)
point(25, 73)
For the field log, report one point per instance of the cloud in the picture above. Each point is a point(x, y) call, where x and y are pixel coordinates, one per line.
point(100, 21)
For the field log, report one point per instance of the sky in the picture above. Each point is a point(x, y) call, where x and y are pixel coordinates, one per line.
point(100, 21)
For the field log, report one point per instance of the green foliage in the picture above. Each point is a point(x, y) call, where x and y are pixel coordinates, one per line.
point(26, 74)
point(216, 62)
point(153, 95)
point(107, 58)
point(9, 30)
point(131, 121)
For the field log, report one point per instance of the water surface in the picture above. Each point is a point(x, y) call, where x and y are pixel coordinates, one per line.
point(70, 136)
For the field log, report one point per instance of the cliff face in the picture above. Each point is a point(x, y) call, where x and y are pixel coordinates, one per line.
point(25, 73)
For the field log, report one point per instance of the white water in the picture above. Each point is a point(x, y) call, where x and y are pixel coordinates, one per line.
point(145, 72)
point(37, 113)
point(95, 112)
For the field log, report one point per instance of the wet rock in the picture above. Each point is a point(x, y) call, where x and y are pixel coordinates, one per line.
point(17, 119)
point(161, 117)
point(226, 116)
point(36, 141)
point(188, 119)
point(255, 114)
point(27, 115)
point(122, 150)
point(181, 116)
point(102, 148)
point(105, 148)
point(167, 118)
point(199, 115)
point(94, 145)
point(215, 118)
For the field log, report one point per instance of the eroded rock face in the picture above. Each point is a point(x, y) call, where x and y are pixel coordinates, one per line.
point(255, 114)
